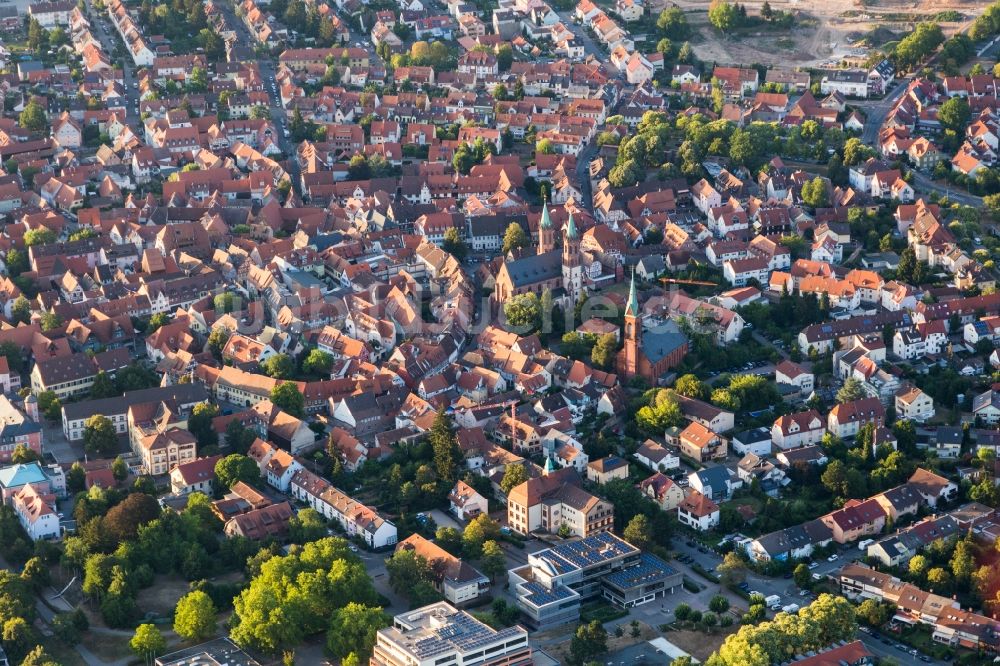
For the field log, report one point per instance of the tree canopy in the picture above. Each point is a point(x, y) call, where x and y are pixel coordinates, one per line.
point(298, 595)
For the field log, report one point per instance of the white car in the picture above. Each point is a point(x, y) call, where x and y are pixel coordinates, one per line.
point(813, 565)
point(832, 558)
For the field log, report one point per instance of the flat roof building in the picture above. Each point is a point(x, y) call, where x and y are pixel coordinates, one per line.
point(551, 587)
point(442, 634)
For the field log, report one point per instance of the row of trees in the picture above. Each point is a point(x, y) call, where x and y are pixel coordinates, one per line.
point(321, 586)
point(826, 620)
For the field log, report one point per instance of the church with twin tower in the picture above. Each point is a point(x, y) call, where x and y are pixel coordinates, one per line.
point(558, 270)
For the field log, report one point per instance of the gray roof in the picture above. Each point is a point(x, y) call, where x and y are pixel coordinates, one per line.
point(660, 341)
point(715, 478)
point(181, 393)
point(535, 268)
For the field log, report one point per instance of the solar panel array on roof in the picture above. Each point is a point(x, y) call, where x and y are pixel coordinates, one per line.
point(648, 570)
point(540, 595)
point(587, 552)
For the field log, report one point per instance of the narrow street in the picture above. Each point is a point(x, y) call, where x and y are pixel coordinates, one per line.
point(954, 193)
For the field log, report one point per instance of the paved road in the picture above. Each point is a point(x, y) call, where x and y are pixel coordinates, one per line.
point(877, 111)
point(104, 30)
point(583, 161)
point(268, 69)
point(590, 47)
point(925, 183)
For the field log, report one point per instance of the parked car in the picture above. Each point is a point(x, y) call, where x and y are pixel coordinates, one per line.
point(833, 558)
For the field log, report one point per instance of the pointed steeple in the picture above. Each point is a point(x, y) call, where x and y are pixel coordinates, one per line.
point(571, 231)
point(546, 222)
point(549, 467)
point(632, 308)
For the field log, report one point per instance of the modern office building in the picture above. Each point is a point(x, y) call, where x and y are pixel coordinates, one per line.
point(441, 634)
point(556, 581)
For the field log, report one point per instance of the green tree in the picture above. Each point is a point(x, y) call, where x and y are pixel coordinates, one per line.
point(938, 580)
point(23, 454)
point(493, 562)
point(513, 476)
point(454, 244)
point(76, 478)
point(224, 303)
point(410, 575)
point(200, 424)
point(119, 469)
point(235, 468)
point(50, 321)
point(673, 23)
point(49, 405)
point(104, 386)
point(918, 566)
point(718, 604)
point(445, 447)
point(732, 570)
point(40, 236)
point(279, 366)
point(21, 310)
point(99, 436)
point(523, 312)
point(148, 642)
point(690, 386)
point(33, 118)
point(639, 532)
point(217, 340)
point(515, 238)
point(954, 114)
point(723, 16)
point(872, 613)
point(801, 575)
point(815, 194)
point(661, 412)
point(353, 630)
point(850, 391)
point(239, 438)
point(318, 362)
point(16, 261)
point(194, 617)
point(590, 640)
point(603, 354)
point(296, 595)
point(307, 525)
point(477, 532)
point(286, 396)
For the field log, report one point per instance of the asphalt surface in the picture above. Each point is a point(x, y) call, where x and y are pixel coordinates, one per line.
point(876, 111)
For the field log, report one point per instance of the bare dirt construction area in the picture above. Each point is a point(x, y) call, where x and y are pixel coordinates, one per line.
point(825, 33)
point(696, 643)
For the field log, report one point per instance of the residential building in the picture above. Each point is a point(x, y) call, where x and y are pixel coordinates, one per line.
point(793, 431)
point(701, 444)
point(663, 490)
point(196, 476)
point(656, 456)
point(756, 441)
point(856, 520)
point(847, 418)
point(548, 502)
point(356, 519)
point(36, 510)
point(457, 581)
point(606, 469)
point(465, 502)
point(913, 404)
point(698, 511)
